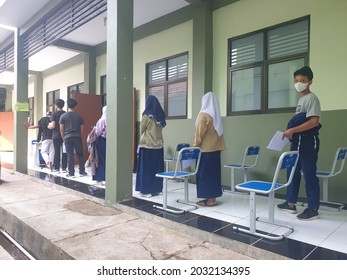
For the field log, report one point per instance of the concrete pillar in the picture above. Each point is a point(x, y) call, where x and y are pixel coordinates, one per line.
point(119, 100)
point(20, 146)
point(202, 53)
point(90, 72)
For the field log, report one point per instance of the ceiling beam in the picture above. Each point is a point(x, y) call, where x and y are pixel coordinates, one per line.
point(63, 44)
point(195, 2)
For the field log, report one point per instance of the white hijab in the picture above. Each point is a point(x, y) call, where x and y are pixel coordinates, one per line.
point(103, 113)
point(210, 106)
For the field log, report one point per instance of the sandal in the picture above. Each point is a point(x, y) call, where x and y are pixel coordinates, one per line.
point(205, 203)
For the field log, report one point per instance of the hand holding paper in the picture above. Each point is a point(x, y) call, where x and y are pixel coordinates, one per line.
point(277, 143)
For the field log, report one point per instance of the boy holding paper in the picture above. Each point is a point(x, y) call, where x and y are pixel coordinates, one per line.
point(302, 130)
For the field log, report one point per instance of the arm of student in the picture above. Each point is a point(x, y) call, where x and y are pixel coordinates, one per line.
point(144, 124)
point(311, 123)
point(62, 130)
point(81, 129)
point(28, 126)
point(200, 131)
point(51, 125)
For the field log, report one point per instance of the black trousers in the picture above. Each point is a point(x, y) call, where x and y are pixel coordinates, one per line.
point(58, 145)
point(74, 144)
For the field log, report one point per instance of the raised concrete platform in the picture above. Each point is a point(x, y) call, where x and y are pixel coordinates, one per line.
point(55, 223)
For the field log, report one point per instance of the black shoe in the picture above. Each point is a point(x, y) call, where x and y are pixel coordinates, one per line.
point(308, 214)
point(83, 174)
point(286, 207)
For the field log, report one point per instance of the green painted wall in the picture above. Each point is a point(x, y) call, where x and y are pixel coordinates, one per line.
point(171, 42)
point(328, 41)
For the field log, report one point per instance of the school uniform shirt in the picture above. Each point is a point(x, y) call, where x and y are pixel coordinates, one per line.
point(206, 136)
point(151, 134)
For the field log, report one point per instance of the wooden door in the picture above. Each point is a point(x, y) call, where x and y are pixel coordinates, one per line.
point(90, 108)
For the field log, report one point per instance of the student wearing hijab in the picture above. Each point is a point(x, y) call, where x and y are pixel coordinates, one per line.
point(150, 150)
point(209, 137)
point(100, 145)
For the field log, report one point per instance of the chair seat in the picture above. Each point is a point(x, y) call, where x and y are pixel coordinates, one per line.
point(324, 174)
point(235, 165)
point(171, 174)
point(257, 186)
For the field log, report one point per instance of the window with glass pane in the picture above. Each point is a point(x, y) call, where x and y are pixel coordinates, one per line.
point(167, 79)
point(157, 73)
point(178, 67)
point(261, 67)
point(281, 91)
point(246, 90)
point(247, 50)
point(51, 97)
point(177, 99)
point(158, 92)
point(288, 40)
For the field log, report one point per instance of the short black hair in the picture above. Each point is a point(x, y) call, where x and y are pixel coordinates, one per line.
point(60, 103)
point(71, 103)
point(304, 71)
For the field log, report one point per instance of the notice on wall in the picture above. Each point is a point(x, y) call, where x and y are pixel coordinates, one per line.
point(21, 107)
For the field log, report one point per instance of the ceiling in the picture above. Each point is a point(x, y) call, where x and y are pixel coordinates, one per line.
point(17, 13)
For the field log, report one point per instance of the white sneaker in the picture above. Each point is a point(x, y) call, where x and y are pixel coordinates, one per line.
point(146, 195)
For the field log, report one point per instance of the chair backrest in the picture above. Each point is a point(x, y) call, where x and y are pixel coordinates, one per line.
point(339, 161)
point(189, 156)
point(287, 160)
point(251, 155)
point(179, 147)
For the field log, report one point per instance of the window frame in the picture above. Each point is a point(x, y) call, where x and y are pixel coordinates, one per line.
point(78, 89)
point(168, 82)
point(264, 68)
point(55, 96)
point(103, 93)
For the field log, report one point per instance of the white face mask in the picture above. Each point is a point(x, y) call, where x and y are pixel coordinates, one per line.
point(300, 87)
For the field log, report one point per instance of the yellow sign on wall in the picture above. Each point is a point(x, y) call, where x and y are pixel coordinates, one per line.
point(21, 107)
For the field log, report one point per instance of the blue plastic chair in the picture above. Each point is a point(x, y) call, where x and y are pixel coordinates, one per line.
point(190, 155)
point(337, 167)
point(286, 160)
point(250, 159)
point(178, 147)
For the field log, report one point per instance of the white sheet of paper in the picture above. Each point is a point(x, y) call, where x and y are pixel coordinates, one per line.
point(277, 143)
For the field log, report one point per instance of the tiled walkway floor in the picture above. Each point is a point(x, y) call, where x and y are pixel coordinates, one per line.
point(324, 238)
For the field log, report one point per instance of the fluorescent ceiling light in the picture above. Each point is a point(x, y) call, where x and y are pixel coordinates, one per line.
point(2, 2)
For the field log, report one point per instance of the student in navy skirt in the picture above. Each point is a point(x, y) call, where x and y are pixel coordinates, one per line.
point(209, 137)
point(100, 145)
point(150, 150)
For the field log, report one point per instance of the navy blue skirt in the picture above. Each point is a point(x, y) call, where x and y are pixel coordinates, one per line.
point(208, 177)
point(101, 149)
point(150, 162)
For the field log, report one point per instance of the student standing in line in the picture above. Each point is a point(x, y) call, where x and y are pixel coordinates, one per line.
point(303, 132)
point(56, 136)
point(71, 128)
point(100, 145)
point(45, 134)
point(209, 137)
point(150, 150)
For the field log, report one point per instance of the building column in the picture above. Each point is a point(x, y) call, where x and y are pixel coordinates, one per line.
point(20, 143)
point(119, 100)
point(202, 53)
